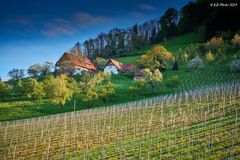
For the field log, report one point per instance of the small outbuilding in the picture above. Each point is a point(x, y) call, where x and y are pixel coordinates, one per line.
point(113, 67)
point(138, 75)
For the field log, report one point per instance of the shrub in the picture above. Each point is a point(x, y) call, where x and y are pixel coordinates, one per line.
point(220, 51)
point(209, 56)
point(237, 55)
point(185, 56)
point(236, 40)
point(196, 63)
point(235, 65)
point(215, 42)
point(152, 79)
point(192, 51)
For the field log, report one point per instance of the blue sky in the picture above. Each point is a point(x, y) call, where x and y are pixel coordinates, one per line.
point(37, 31)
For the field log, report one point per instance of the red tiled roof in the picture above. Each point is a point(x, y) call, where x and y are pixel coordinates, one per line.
point(126, 67)
point(120, 66)
point(79, 61)
point(115, 63)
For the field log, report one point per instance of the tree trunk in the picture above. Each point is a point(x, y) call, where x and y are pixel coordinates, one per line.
point(61, 105)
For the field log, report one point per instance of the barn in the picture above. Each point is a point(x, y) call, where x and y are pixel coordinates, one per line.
point(80, 63)
point(113, 67)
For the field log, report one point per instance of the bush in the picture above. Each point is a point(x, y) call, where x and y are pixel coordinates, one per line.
point(236, 40)
point(237, 55)
point(196, 63)
point(215, 42)
point(192, 51)
point(209, 56)
point(185, 56)
point(235, 65)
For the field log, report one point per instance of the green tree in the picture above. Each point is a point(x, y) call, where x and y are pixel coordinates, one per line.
point(168, 23)
point(155, 58)
point(20, 89)
point(16, 74)
point(34, 70)
point(59, 89)
point(100, 62)
point(138, 42)
point(47, 67)
point(94, 87)
point(150, 80)
point(34, 89)
point(4, 90)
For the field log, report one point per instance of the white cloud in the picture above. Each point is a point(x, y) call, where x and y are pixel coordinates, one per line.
point(58, 27)
point(86, 19)
point(146, 7)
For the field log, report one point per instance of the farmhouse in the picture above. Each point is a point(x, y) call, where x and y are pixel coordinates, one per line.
point(115, 67)
point(80, 63)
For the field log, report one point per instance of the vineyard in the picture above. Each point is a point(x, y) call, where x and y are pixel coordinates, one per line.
point(201, 123)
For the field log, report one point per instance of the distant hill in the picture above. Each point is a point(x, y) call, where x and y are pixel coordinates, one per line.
point(199, 17)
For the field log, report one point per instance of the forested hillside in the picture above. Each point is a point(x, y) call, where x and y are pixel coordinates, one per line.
point(199, 16)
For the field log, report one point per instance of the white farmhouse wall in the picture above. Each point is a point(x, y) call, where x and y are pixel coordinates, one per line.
point(79, 70)
point(111, 69)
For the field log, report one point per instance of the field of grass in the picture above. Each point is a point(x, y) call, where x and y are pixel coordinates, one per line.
point(127, 60)
point(19, 109)
point(173, 45)
point(215, 73)
point(198, 124)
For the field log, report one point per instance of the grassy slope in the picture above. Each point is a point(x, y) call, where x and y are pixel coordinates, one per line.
point(127, 60)
point(214, 73)
point(172, 45)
